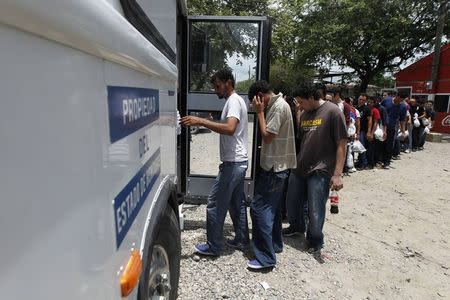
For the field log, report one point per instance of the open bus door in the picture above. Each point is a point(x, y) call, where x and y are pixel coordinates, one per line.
point(209, 44)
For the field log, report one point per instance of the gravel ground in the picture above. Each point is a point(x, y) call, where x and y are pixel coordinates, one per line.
point(390, 240)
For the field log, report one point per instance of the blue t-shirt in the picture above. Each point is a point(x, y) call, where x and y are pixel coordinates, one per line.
point(383, 115)
point(395, 112)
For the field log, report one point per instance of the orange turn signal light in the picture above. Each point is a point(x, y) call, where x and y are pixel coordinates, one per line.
point(131, 274)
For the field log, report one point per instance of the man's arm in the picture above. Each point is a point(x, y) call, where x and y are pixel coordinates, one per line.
point(369, 127)
point(258, 104)
point(336, 180)
point(298, 111)
point(266, 136)
point(402, 127)
point(227, 128)
point(358, 127)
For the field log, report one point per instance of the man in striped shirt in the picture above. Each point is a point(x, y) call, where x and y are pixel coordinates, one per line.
point(277, 158)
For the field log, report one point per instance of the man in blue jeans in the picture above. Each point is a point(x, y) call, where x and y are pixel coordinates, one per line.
point(276, 159)
point(227, 192)
point(323, 139)
point(365, 129)
point(396, 111)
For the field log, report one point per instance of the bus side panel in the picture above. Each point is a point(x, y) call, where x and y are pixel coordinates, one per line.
point(59, 171)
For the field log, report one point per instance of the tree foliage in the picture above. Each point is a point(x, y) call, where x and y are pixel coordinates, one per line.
point(370, 36)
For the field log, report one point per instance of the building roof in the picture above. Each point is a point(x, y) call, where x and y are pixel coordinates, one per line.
point(419, 73)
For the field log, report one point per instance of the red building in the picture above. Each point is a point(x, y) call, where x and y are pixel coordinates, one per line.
point(416, 79)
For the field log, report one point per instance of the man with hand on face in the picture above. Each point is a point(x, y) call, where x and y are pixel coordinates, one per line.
point(277, 157)
point(227, 192)
point(323, 139)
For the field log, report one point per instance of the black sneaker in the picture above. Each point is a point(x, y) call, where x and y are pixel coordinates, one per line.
point(396, 157)
point(291, 231)
point(237, 246)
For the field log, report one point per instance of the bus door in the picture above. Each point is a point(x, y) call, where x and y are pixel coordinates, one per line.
point(241, 44)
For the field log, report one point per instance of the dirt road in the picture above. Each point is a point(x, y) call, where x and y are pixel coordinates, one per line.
point(390, 240)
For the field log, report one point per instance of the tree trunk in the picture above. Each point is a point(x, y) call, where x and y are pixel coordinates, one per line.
point(364, 83)
point(437, 46)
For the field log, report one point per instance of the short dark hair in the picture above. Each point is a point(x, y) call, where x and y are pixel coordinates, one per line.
point(223, 75)
point(337, 91)
point(260, 86)
point(306, 90)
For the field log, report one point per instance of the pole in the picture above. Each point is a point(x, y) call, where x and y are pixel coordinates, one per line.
point(437, 46)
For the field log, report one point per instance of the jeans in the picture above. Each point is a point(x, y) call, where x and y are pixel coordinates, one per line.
point(416, 136)
point(410, 138)
point(265, 211)
point(314, 190)
point(379, 151)
point(422, 136)
point(389, 145)
point(371, 152)
point(227, 193)
point(362, 158)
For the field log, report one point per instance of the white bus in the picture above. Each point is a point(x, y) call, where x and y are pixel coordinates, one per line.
point(90, 162)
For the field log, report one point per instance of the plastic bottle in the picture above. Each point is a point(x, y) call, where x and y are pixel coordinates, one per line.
point(334, 201)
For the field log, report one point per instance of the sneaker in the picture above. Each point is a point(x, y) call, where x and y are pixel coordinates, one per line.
point(204, 249)
point(291, 231)
point(407, 151)
point(317, 254)
point(396, 157)
point(314, 250)
point(254, 264)
point(352, 170)
point(386, 167)
point(420, 148)
point(237, 246)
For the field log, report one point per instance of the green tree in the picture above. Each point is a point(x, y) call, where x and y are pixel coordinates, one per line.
point(228, 7)
point(370, 36)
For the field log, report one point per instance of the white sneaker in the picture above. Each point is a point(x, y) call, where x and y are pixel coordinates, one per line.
point(407, 151)
point(352, 170)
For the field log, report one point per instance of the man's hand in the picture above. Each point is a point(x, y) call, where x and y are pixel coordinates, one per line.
point(369, 136)
point(336, 183)
point(191, 121)
point(403, 137)
point(298, 105)
point(258, 104)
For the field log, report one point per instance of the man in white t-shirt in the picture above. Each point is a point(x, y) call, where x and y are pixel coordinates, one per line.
point(227, 192)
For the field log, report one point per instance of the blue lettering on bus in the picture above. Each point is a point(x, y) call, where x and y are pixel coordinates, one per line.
point(131, 198)
point(130, 109)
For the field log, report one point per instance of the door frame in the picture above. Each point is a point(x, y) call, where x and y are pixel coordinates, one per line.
point(196, 188)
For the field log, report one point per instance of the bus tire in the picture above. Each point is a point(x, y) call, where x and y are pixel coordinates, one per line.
point(162, 270)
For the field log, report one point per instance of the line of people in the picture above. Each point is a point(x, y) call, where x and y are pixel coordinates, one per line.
point(305, 166)
point(381, 128)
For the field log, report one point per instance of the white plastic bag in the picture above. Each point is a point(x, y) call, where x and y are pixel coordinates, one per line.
point(358, 147)
point(416, 120)
point(425, 122)
point(378, 133)
point(427, 130)
point(399, 134)
point(351, 128)
point(350, 163)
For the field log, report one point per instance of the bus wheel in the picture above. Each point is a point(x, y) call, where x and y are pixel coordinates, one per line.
point(163, 268)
